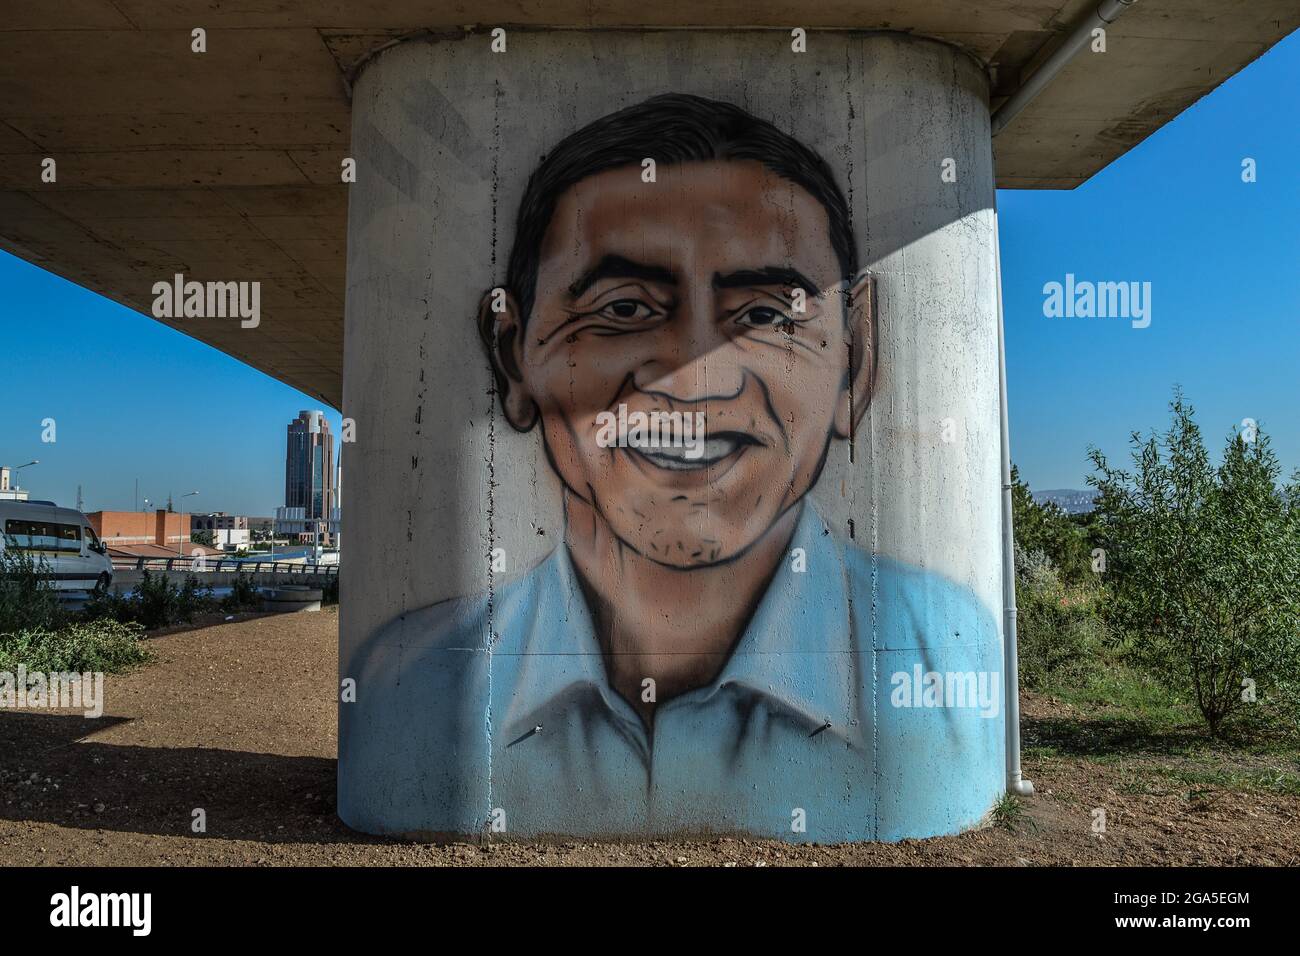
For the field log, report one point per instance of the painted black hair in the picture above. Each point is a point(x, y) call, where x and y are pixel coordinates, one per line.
point(671, 129)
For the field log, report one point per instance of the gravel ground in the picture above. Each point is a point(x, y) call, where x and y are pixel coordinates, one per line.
point(238, 719)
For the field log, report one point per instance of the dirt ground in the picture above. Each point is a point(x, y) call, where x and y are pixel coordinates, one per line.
point(239, 719)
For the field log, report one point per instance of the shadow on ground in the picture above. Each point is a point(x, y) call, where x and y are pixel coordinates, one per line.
point(48, 775)
point(1108, 736)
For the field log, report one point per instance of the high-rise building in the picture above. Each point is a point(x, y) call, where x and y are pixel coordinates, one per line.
point(309, 465)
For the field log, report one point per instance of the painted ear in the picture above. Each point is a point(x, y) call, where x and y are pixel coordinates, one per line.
point(860, 314)
point(501, 330)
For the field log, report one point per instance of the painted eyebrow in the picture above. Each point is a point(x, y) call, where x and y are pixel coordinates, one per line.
point(616, 267)
point(768, 275)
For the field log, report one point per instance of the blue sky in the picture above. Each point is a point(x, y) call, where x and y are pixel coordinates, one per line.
point(1223, 258)
point(133, 399)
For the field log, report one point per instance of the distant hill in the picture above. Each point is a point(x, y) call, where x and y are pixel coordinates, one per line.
point(1070, 500)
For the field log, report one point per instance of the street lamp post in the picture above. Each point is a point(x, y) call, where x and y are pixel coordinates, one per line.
point(34, 461)
point(180, 545)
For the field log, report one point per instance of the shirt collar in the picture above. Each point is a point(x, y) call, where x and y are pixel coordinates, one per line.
point(797, 648)
point(791, 652)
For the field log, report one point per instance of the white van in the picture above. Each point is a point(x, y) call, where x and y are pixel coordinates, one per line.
point(74, 557)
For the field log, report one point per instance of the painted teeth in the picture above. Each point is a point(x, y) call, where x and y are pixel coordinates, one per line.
point(686, 458)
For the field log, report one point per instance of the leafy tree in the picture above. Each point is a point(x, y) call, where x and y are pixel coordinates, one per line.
point(1204, 563)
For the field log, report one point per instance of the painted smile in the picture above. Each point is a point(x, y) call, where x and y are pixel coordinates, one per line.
point(715, 449)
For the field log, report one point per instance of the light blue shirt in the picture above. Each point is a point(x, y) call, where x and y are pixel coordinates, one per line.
point(802, 725)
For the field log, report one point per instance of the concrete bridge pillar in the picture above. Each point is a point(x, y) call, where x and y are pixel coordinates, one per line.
point(557, 624)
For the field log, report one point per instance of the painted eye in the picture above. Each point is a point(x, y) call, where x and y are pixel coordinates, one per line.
point(627, 310)
point(765, 317)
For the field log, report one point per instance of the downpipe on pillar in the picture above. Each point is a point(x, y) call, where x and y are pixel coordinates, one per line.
point(1016, 782)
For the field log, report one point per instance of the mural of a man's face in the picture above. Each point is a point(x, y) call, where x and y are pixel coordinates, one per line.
point(681, 295)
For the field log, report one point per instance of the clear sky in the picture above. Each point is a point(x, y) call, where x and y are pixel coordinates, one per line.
point(133, 399)
point(1223, 260)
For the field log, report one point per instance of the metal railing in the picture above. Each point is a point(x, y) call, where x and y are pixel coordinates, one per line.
point(222, 564)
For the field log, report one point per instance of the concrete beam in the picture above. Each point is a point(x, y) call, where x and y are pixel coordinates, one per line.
point(226, 162)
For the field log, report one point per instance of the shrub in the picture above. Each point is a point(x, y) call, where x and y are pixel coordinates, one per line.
point(243, 594)
point(194, 598)
point(27, 598)
point(36, 633)
point(154, 602)
point(330, 590)
point(80, 646)
point(155, 599)
point(110, 605)
point(1060, 632)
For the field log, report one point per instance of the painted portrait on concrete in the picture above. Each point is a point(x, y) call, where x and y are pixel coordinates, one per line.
point(684, 325)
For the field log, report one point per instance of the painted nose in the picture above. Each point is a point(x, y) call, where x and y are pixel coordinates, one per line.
point(695, 360)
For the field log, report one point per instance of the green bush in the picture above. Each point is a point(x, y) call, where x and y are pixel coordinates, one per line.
point(243, 594)
point(27, 598)
point(330, 590)
point(194, 599)
point(155, 602)
point(1061, 636)
point(106, 604)
point(79, 646)
point(36, 633)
